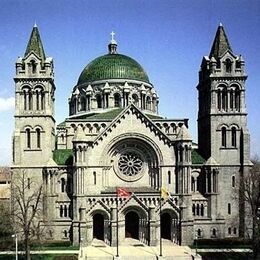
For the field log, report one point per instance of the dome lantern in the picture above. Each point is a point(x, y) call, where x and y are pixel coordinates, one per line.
point(112, 46)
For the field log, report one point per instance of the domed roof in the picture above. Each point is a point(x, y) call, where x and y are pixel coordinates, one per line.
point(113, 66)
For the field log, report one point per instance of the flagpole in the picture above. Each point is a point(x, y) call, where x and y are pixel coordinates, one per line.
point(160, 224)
point(117, 249)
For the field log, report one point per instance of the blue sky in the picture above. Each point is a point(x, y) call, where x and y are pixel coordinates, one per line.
point(168, 38)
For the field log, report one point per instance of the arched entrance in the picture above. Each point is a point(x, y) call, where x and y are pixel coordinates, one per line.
point(166, 226)
point(98, 226)
point(132, 225)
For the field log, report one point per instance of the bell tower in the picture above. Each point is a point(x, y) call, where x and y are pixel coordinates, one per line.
point(222, 126)
point(33, 140)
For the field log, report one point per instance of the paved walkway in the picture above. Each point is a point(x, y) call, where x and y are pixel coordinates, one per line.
point(134, 249)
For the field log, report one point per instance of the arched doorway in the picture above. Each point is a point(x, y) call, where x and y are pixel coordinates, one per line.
point(166, 226)
point(98, 226)
point(132, 225)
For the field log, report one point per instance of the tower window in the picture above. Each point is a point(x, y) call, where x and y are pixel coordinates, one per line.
point(214, 232)
point(223, 136)
point(29, 183)
point(33, 66)
point(38, 138)
point(233, 137)
point(61, 211)
point(117, 100)
point(233, 181)
point(28, 138)
point(199, 233)
point(63, 184)
point(237, 99)
point(229, 208)
point(219, 99)
point(42, 100)
point(30, 100)
point(228, 65)
point(229, 230)
point(224, 99)
point(202, 210)
point(169, 177)
point(231, 99)
point(83, 104)
point(135, 99)
point(99, 101)
point(235, 231)
point(94, 178)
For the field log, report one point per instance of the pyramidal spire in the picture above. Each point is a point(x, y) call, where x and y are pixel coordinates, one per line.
point(35, 44)
point(220, 44)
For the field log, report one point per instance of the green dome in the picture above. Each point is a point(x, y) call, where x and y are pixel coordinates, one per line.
point(113, 66)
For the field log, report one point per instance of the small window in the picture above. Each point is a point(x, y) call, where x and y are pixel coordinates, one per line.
point(235, 231)
point(229, 230)
point(228, 66)
point(65, 211)
point(169, 177)
point(38, 138)
point(233, 181)
point(63, 184)
point(33, 65)
point(117, 100)
point(223, 137)
point(233, 137)
point(29, 183)
point(61, 211)
point(193, 209)
point(28, 138)
point(202, 210)
point(65, 233)
point(199, 233)
point(214, 232)
point(99, 101)
point(94, 178)
point(229, 208)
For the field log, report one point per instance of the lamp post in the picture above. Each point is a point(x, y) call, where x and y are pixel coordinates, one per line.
point(16, 246)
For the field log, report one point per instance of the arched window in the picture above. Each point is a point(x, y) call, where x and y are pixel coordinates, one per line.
point(223, 136)
point(214, 232)
point(229, 208)
point(235, 231)
point(233, 137)
point(228, 66)
point(33, 66)
point(65, 233)
point(199, 233)
point(28, 138)
point(38, 138)
point(193, 209)
point(94, 178)
point(237, 99)
point(25, 105)
point(63, 185)
point(231, 98)
point(135, 99)
point(99, 101)
point(117, 99)
point(83, 104)
point(65, 211)
point(198, 209)
point(229, 230)
point(42, 100)
point(37, 100)
point(219, 99)
point(169, 177)
point(61, 211)
point(233, 181)
point(148, 103)
point(30, 105)
point(192, 184)
point(224, 99)
point(202, 210)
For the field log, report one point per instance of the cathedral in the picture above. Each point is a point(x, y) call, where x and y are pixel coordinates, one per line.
point(114, 139)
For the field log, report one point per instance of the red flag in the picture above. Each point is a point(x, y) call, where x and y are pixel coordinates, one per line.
point(122, 192)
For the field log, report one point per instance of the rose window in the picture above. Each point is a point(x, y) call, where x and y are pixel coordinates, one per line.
point(130, 164)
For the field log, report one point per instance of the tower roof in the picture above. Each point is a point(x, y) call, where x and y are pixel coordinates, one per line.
point(35, 44)
point(220, 44)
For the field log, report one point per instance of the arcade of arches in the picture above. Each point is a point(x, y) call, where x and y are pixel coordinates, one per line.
point(136, 225)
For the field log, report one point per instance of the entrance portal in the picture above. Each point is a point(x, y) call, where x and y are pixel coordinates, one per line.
point(98, 226)
point(132, 225)
point(166, 226)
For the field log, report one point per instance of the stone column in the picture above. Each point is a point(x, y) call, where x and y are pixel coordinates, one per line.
point(152, 227)
point(113, 226)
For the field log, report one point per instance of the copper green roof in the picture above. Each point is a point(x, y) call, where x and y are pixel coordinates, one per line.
point(35, 44)
point(196, 158)
point(113, 66)
point(63, 156)
point(220, 44)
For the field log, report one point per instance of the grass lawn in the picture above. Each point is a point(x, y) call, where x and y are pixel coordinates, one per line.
point(41, 257)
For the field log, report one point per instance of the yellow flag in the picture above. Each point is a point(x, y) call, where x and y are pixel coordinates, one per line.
point(164, 193)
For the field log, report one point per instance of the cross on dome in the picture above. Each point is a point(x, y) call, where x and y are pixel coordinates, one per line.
point(113, 41)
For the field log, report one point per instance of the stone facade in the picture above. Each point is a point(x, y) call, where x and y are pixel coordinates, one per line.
point(114, 138)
